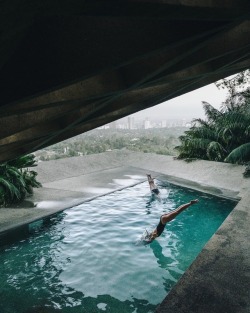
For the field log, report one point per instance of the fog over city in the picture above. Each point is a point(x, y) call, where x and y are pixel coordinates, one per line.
point(187, 106)
point(154, 130)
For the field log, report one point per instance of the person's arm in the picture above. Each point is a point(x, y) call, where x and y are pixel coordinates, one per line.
point(170, 216)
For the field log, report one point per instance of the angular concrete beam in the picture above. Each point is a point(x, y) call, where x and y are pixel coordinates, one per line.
point(71, 44)
point(135, 100)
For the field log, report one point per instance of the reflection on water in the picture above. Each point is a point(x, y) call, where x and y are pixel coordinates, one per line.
point(97, 190)
point(125, 182)
point(47, 204)
point(86, 260)
point(151, 198)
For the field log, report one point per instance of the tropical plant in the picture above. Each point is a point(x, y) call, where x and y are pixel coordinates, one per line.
point(16, 180)
point(23, 161)
point(225, 134)
point(239, 155)
point(247, 170)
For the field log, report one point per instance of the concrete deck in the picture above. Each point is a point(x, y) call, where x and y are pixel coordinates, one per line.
point(219, 279)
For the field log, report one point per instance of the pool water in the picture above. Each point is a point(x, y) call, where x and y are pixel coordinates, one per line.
point(89, 258)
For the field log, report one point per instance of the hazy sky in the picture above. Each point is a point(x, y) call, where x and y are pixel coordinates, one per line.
point(187, 106)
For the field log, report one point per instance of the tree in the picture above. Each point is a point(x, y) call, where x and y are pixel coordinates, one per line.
point(16, 180)
point(236, 85)
point(225, 134)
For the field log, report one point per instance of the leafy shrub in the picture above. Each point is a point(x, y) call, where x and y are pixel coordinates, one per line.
point(16, 180)
point(247, 171)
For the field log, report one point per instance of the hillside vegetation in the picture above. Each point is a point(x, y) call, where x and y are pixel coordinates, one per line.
point(160, 141)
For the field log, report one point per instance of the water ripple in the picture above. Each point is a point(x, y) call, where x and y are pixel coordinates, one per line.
point(86, 259)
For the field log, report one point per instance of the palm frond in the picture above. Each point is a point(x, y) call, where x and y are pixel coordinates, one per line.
point(247, 131)
point(199, 143)
point(30, 180)
point(239, 155)
point(203, 132)
point(16, 183)
point(194, 148)
point(23, 161)
point(234, 117)
point(200, 121)
point(211, 113)
point(10, 189)
point(225, 134)
point(215, 151)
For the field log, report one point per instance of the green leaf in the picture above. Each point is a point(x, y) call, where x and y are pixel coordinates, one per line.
point(12, 192)
point(215, 151)
point(239, 155)
point(23, 161)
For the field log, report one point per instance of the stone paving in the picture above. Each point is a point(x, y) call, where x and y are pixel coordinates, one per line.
point(218, 280)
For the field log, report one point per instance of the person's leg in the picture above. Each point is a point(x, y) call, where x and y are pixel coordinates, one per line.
point(149, 177)
point(150, 182)
point(170, 216)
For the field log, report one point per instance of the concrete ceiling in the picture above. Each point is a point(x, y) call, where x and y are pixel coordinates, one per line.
point(69, 66)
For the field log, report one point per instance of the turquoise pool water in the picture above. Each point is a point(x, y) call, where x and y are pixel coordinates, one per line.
point(87, 259)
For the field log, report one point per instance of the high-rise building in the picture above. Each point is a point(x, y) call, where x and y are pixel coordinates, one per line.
point(147, 123)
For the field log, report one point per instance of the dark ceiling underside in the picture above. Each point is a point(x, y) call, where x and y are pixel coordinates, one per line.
point(68, 66)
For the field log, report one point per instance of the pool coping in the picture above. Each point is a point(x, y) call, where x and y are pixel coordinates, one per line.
point(218, 279)
point(32, 209)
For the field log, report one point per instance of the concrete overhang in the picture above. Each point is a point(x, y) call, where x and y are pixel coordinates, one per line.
point(69, 66)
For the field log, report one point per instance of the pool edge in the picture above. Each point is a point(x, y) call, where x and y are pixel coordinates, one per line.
point(216, 281)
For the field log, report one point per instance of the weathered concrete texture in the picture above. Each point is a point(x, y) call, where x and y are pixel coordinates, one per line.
point(64, 193)
point(75, 166)
point(69, 66)
point(220, 177)
point(218, 280)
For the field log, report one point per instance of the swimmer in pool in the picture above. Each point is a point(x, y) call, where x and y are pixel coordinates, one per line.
point(154, 189)
point(165, 218)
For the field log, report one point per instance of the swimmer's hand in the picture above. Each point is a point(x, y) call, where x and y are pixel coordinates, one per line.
point(147, 236)
point(150, 237)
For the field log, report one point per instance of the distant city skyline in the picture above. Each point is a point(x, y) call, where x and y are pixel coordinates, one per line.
point(131, 122)
point(179, 111)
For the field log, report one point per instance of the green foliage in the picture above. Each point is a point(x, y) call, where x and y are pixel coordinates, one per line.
point(247, 171)
point(23, 161)
point(160, 141)
point(225, 134)
point(215, 151)
point(235, 85)
point(240, 154)
point(16, 180)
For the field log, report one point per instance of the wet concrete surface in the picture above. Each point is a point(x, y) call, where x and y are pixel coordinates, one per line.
point(219, 279)
point(59, 195)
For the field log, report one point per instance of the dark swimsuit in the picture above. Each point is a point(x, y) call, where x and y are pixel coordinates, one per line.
point(156, 191)
point(160, 227)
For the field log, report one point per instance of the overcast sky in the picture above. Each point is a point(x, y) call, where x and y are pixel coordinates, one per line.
point(187, 106)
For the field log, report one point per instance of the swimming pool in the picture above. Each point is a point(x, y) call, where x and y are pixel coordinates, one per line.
point(87, 258)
